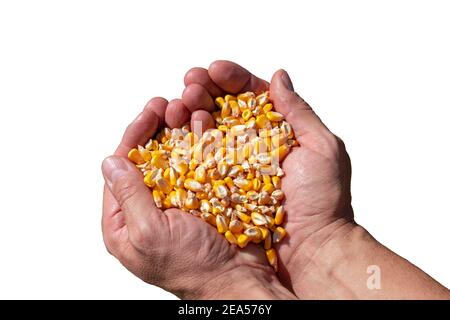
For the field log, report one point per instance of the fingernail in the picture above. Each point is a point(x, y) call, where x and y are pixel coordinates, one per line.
point(113, 167)
point(287, 81)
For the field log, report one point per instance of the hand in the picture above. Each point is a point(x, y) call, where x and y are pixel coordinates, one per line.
point(173, 249)
point(317, 180)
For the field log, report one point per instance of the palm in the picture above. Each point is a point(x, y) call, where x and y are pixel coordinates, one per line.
point(316, 192)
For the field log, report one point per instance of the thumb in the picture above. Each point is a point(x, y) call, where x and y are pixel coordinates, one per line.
point(296, 111)
point(134, 198)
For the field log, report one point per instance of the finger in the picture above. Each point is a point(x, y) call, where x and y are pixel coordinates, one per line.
point(201, 121)
point(201, 76)
point(176, 114)
point(296, 111)
point(143, 218)
point(196, 97)
point(233, 78)
point(141, 129)
point(158, 105)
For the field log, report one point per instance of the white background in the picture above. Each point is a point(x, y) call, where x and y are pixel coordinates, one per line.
point(73, 74)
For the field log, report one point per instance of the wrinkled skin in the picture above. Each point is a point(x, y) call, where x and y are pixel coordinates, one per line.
point(182, 254)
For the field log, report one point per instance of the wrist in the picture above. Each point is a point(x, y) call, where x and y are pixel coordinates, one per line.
point(239, 283)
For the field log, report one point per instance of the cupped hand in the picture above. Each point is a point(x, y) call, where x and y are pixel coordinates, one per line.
point(173, 249)
point(317, 172)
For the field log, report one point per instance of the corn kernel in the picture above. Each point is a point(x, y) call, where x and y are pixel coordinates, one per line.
point(276, 181)
point(278, 234)
point(230, 237)
point(221, 224)
point(279, 215)
point(243, 240)
point(193, 185)
point(219, 101)
point(268, 107)
point(272, 258)
point(235, 226)
point(157, 198)
point(244, 217)
point(262, 122)
point(274, 116)
point(135, 156)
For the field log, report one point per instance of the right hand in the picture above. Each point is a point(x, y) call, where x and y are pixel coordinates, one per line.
point(318, 172)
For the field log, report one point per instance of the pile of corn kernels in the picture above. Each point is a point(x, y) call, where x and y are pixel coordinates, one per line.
point(229, 176)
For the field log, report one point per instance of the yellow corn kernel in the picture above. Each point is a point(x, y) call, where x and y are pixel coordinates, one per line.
point(191, 202)
point(246, 114)
point(230, 97)
point(216, 210)
point(270, 221)
point(181, 167)
point(258, 219)
point(244, 217)
point(274, 116)
point(278, 234)
point(254, 233)
point(135, 156)
point(180, 182)
point(250, 176)
point(251, 103)
point(279, 215)
point(226, 110)
point(279, 153)
point(235, 110)
point(145, 154)
point(190, 138)
point(266, 179)
point(166, 174)
point(208, 217)
point(268, 242)
point(180, 197)
point(279, 139)
point(163, 185)
point(242, 183)
point(193, 164)
point(193, 185)
point(268, 107)
point(219, 101)
point(276, 181)
point(272, 258)
point(262, 122)
point(230, 237)
point(246, 95)
point(243, 240)
point(264, 232)
point(236, 226)
point(220, 190)
point(173, 176)
point(278, 195)
point(202, 195)
point(190, 174)
point(157, 198)
point(229, 182)
point(222, 128)
point(223, 170)
point(256, 184)
point(200, 174)
point(221, 224)
point(269, 188)
point(149, 178)
point(167, 203)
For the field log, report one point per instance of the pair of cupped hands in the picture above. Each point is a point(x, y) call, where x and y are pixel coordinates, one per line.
point(181, 253)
